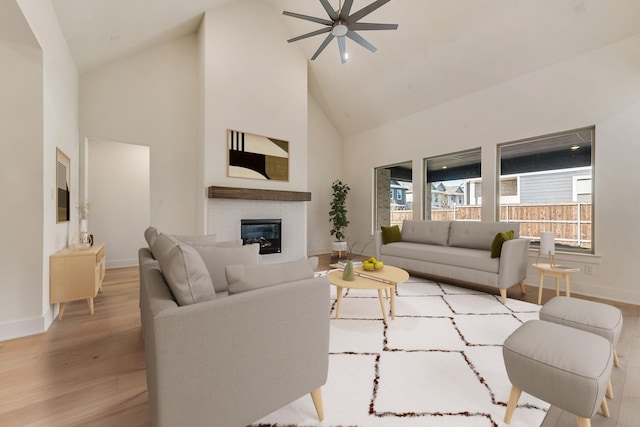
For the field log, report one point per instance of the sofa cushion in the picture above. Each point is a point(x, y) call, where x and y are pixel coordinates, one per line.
point(390, 234)
point(184, 270)
point(150, 235)
point(498, 241)
point(204, 239)
point(218, 258)
point(478, 235)
point(475, 259)
point(429, 232)
point(243, 278)
point(236, 243)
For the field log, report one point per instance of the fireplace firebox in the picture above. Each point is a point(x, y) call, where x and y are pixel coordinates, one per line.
point(266, 232)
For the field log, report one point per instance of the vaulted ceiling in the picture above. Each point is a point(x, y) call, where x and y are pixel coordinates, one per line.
point(442, 50)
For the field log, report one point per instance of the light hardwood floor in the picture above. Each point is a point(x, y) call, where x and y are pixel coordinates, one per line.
point(89, 370)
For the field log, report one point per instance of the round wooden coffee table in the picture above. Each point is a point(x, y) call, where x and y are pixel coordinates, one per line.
point(385, 279)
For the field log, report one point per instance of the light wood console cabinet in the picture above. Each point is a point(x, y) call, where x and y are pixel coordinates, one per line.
point(76, 274)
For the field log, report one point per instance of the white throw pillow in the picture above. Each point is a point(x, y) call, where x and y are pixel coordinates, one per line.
point(218, 258)
point(243, 278)
point(184, 271)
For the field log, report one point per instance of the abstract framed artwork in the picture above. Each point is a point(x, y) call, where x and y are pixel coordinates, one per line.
point(63, 173)
point(257, 157)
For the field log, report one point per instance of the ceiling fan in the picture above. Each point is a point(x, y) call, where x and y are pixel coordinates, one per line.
point(343, 24)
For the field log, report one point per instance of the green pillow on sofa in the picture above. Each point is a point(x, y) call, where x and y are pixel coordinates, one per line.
point(498, 241)
point(391, 234)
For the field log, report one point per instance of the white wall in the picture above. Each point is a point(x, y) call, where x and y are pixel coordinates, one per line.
point(52, 118)
point(600, 88)
point(253, 81)
point(119, 199)
point(151, 99)
point(325, 165)
point(20, 184)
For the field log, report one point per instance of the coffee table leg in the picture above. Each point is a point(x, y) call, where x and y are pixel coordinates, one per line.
point(339, 290)
point(393, 302)
point(384, 315)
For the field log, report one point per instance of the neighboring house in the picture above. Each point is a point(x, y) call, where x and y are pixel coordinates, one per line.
point(446, 196)
point(556, 186)
point(398, 194)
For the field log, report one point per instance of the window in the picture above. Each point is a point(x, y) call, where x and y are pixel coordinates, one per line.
point(582, 189)
point(546, 184)
point(393, 194)
point(452, 187)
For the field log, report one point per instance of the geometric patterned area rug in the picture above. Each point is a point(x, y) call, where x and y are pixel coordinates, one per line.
point(438, 363)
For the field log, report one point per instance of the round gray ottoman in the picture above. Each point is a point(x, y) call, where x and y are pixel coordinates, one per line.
point(566, 367)
point(601, 319)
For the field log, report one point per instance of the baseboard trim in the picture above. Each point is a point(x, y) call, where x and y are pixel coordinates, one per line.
point(121, 263)
point(612, 294)
point(24, 327)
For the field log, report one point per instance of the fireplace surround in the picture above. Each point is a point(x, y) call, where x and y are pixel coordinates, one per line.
point(228, 205)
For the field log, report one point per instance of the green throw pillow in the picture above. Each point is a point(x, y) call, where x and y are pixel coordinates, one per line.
point(496, 245)
point(390, 234)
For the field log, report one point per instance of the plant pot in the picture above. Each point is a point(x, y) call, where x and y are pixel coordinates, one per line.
point(337, 246)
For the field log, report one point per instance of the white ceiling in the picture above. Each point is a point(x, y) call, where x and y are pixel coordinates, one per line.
point(443, 49)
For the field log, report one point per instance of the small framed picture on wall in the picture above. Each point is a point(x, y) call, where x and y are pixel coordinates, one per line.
point(63, 174)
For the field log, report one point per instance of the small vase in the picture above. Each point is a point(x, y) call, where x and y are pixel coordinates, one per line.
point(348, 274)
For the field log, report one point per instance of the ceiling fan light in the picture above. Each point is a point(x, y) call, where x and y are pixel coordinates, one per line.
point(339, 30)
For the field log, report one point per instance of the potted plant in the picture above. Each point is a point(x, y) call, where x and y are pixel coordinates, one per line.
point(338, 215)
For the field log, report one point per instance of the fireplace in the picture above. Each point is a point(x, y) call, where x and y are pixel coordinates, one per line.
point(266, 232)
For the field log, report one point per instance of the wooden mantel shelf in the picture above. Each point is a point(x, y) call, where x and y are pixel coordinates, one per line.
point(256, 194)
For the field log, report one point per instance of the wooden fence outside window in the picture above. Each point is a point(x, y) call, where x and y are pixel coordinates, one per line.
point(570, 222)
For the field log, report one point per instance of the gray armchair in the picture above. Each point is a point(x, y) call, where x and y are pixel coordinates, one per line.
point(234, 359)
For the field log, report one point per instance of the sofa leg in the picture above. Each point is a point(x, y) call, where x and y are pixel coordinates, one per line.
point(609, 392)
point(584, 422)
point(503, 294)
point(514, 396)
point(522, 286)
point(604, 408)
point(316, 396)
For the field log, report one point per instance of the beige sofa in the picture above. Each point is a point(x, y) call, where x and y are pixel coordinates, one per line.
point(235, 353)
point(459, 251)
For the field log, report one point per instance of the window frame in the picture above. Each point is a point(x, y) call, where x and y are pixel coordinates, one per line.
point(499, 203)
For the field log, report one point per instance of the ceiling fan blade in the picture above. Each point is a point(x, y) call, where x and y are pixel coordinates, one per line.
point(367, 10)
point(311, 34)
point(327, 6)
point(361, 41)
point(308, 18)
point(322, 46)
point(342, 45)
point(363, 26)
point(346, 10)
